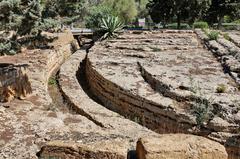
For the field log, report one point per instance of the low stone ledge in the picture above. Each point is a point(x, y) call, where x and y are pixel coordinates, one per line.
point(179, 146)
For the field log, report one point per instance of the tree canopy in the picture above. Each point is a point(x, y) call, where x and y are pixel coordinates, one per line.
point(21, 19)
point(163, 11)
point(125, 9)
point(221, 8)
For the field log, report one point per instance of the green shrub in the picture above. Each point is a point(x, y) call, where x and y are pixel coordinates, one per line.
point(9, 47)
point(174, 26)
point(50, 25)
point(213, 35)
point(110, 26)
point(221, 88)
point(201, 25)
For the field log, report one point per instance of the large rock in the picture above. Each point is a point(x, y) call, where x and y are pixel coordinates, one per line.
point(179, 146)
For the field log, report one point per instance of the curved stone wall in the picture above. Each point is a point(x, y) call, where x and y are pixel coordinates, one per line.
point(148, 113)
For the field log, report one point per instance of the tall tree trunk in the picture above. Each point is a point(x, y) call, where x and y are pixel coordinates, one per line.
point(178, 21)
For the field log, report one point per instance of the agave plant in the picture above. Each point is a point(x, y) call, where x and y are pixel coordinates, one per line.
point(110, 26)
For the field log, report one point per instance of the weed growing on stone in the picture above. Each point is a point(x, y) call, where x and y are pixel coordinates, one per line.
point(202, 106)
point(205, 30)
point(213, 35)
point(155, 49)
point(203, 111)
point(52, 81)
point(221, 88)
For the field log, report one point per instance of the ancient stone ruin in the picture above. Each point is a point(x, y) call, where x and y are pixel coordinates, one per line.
point(168, 82)
point(145, 94)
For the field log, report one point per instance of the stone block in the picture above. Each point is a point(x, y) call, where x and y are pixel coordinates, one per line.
point(179, 146)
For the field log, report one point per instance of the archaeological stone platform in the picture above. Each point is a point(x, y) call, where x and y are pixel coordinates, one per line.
point(162, 80)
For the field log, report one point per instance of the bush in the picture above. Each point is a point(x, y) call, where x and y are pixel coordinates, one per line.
point(50, 25)
point(9, 46)
point(201, 25)
point(174, 26)
point(213, 35)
